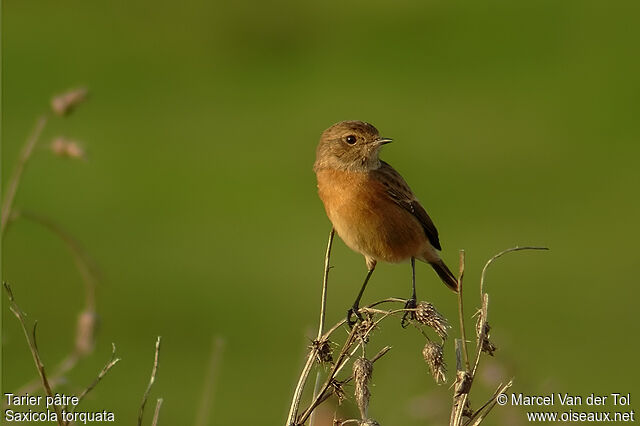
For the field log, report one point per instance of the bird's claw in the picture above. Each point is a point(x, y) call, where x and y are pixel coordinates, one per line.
point(354, 311)
point(410, 304)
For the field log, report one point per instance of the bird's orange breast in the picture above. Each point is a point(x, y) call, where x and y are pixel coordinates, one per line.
point(367, 219)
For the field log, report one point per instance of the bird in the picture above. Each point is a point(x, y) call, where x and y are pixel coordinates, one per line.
point(371, 206)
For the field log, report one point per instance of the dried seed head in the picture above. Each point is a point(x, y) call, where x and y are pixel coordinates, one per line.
point(64, 103)
point(86, 332)
point(363, 329)
point(432, 354)
point(428, 315)
point(487, 346)
point(369, 422)
point(362, 370)
point(67, 148)
point(324, 352)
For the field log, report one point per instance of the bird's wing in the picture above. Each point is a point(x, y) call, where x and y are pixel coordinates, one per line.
point(401, 194)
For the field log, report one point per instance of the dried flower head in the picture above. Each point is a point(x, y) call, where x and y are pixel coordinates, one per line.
point(362, 370)
point(324, 352)
point(85, 332)
point(487, 346)
point(433, 355)
point(428, 315)
point(364, 327)
point(67, 148)
point(369, 422)
point(64, 103)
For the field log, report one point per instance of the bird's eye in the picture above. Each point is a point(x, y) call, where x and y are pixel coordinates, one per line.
point(350, 139)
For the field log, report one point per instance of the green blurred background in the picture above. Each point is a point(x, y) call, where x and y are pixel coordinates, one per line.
point(515, 123)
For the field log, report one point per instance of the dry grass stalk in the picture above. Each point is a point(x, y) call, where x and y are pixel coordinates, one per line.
point(108, 366)
point(16, 177)
point(156, 412)
point(33, 347)
point(465, 376)
point(86, 325)
point(152, 379)
point(84, 342)
point(204, 410)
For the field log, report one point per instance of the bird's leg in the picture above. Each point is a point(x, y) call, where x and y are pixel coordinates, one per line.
point(355, 310)
point(411, 303)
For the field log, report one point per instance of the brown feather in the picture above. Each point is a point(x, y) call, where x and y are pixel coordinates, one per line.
point(402, 195)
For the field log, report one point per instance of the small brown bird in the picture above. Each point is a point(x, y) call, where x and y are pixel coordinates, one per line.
point(371, 206)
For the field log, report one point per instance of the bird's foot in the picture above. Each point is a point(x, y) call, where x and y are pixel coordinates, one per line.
point(410, 304)
point(355, 310)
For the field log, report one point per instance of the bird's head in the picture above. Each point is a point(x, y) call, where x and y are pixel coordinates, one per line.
point(349, 145)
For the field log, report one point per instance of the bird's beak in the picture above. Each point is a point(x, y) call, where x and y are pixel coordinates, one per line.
point(383, 141)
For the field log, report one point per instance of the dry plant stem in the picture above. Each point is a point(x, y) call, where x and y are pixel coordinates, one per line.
point(152, 379)
point(346, 353)
point(323, 307)
point(83, 261)
point(484, 297)
point(461, 311)
point(379, 355)
point(297, 394)
point(204, 411)
point(460, 401)
point(460, 395)
point(477, 417)
point(33, 346)
point(483, 332)
point(156, 412)
point(338, 364)
point(502, 253)
point(14, 181)
point(325, 281)
point(108, 366)
point(89, 275)
point(325, 390)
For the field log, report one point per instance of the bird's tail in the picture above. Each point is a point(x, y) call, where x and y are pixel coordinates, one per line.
point(445, 274)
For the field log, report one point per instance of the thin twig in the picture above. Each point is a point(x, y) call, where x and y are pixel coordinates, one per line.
point(16, 177)
point(337, 365)
point(323, 308)
point(482, 412)
point(297, 393)
point(325, 280)
point(483, 332)
point(502, 253)
point(461, 311)
point(86, 266)
point(33, 346)
point(204, 411)
point(379, 355)
point(152, 379)
point(156, 412)
point(89, 274)
point(108, 366)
